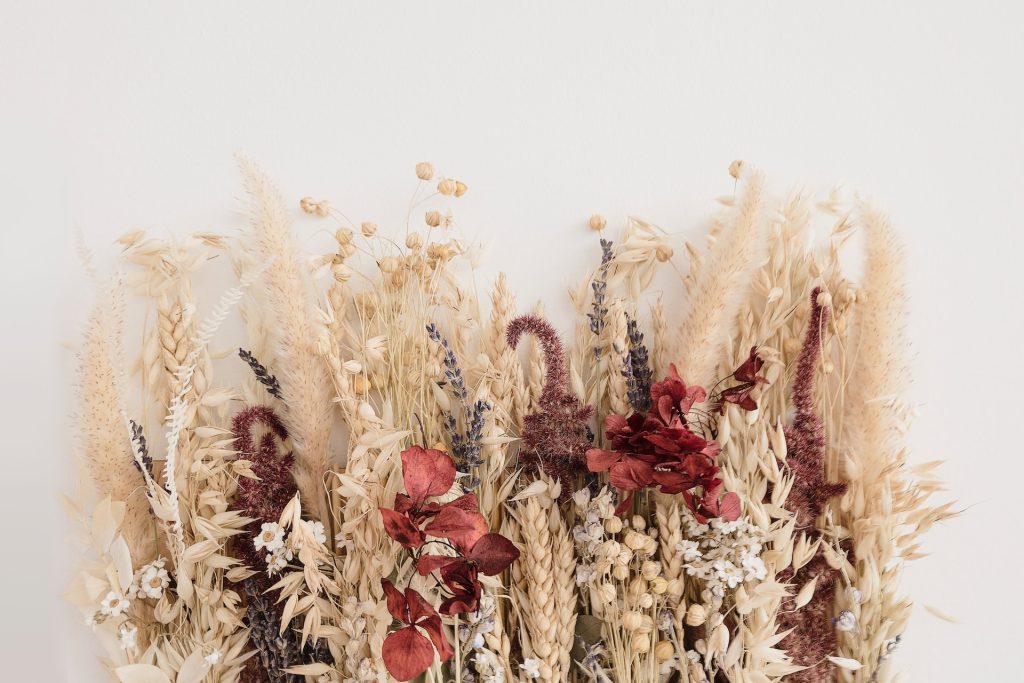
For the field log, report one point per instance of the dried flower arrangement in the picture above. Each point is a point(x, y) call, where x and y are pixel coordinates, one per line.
point(405, 486)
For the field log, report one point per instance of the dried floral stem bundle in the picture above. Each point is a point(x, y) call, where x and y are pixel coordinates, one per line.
point(407, 476)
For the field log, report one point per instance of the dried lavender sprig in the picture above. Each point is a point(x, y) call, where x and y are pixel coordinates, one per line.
point(465, 442)
point(452, 371)
point(139, 439)
point(262, 374)
point(599, 308)
point(637, 368)
point(276, 652)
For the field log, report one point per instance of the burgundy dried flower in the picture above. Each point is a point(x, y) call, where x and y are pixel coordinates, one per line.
point(658, 448)
point(813, 637)
point(556, 438)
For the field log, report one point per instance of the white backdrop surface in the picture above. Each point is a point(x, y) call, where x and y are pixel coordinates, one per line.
point(124, 115)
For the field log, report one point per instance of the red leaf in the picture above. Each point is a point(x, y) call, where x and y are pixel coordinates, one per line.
point(401, 528)
point(397, 604)
point(748, 371)
point(428, 563)
point(407, 653)
point(419, 608)
point(624, 506)
point(729, 510)
point(433, 628)
point(598, 460)
point(462, 527)
point(631, 474)
point(493, 553)
point(466, 502)
point(427, 472)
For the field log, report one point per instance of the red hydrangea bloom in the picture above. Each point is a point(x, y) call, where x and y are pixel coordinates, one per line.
point(659, 448)
point(406, 652)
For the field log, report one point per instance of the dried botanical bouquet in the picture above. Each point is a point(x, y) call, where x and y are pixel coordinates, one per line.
point(392, 476)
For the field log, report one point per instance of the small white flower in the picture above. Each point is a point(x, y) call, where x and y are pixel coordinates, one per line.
point(153, 579)
point(270, 538)
point(689, 549)
point(531, 668)
point(317, 529)
point(113, 604)
point(854, 595)
point(126, 636)
point(214, 657)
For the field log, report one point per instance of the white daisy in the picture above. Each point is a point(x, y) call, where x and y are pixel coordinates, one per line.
point(270, 537)
point(113, 604)
point(153, 579)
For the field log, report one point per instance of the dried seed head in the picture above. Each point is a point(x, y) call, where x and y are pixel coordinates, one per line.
point(414, 241)
point(433, 218)
point(638, 522)
point(632, 620)
point(613, 525)
point(620, 572)
point(460, 188)
point(664, 650)
point(735, 168)
point(343, 236)
point(388, 264)
point(368, 229)
point(646, 601)
point(663, 252)
point(641, 643)
point(446, 186)
point(659, 585)
point(696, 615)
point(650, 569)
point(342, 273)
point(424, 170)
point(597, 222)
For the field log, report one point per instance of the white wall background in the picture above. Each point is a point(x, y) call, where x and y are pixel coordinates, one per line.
point(121, 115)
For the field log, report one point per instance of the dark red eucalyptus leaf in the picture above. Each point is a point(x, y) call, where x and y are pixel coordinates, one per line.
point(461, 527)
point(493, 553)
point(402, 529)
point(407, 653)
point(427, 472)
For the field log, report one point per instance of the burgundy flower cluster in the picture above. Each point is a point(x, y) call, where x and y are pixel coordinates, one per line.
point(457, 526)
point(660, 448)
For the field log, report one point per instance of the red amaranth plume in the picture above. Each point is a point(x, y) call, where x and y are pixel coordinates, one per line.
point(813, 637)
point(555, 438)
point(263, 500)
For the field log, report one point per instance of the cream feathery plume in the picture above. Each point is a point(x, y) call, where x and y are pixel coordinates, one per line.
point(104, 447)
point(303, 373)
point(720, 283)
